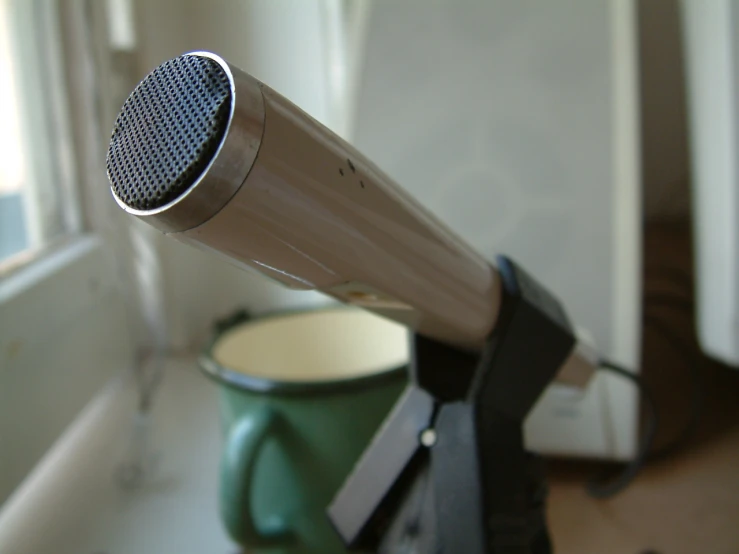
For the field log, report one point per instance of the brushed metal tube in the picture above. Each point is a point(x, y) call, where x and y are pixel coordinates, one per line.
point(286, 196)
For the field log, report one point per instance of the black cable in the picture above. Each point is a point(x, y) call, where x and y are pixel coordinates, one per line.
point(698, 397)
point(608, 485)
point(685, 304)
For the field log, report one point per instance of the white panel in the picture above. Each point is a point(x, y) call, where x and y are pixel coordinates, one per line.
point(515, 122)
point(712, 50)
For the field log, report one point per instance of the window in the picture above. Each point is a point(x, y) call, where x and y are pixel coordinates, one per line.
point(64, 323)
point(37, 197)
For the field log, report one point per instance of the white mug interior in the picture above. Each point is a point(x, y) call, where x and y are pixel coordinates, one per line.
point(325, 345)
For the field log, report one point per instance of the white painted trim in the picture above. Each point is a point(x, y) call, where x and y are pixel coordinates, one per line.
point(75, 502)
point(50, 195)
point(15, 517)
point(619, 396)
point(63, 334)
point(712, 69)
point(357, 17)
point(45, 265)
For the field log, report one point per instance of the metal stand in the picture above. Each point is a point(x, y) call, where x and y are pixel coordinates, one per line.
point(448, 473)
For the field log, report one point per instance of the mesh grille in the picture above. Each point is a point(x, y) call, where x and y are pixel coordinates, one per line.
point(167, 131)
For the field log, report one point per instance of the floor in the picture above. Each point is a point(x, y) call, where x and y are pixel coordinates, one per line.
point(685, 505)
point(688, 502)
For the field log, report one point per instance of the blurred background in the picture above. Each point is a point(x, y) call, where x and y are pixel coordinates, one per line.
point(555, 132)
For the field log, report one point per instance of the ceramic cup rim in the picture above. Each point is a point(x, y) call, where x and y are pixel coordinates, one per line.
point(265, 385)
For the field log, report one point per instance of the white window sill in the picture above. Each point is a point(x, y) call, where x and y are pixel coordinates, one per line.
point(75, 497)
point(63, 334)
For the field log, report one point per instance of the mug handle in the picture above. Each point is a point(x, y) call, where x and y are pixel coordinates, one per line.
point(244, 441)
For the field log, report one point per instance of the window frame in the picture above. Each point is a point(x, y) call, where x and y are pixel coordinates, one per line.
point(50, 197)
point(75, 290)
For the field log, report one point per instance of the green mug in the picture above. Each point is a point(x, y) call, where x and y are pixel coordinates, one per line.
point(302, 396)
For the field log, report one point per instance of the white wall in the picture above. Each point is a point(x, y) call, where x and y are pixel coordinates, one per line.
point(517, 124)
point(281, 42)
point(284, 44)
